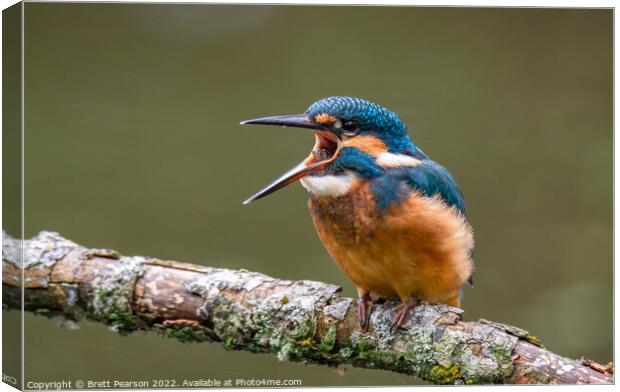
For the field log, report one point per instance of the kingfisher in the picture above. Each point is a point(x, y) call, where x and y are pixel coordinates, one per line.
point(391, 218)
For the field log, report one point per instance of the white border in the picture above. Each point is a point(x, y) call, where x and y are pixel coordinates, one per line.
point(504, 3)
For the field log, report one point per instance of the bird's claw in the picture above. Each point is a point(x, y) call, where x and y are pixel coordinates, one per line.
point(401, 312)
point(364, 308)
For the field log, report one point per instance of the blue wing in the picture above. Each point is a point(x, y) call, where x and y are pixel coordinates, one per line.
point(428, 178)
point(431, 178)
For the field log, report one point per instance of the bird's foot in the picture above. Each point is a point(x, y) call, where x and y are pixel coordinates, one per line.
point(364, 308)
point(401, 311)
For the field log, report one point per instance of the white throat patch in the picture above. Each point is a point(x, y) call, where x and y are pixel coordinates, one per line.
point(329, 185)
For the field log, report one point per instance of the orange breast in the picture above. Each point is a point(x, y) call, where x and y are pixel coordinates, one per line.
point(419, 248)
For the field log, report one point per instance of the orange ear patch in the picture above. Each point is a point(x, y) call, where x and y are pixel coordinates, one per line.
point(368, 144)
point(325, 119)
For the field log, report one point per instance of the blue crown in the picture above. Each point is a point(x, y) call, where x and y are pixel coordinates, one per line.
point(373, 119)
point(369, 115)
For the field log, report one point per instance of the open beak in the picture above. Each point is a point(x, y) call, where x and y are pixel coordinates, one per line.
point(326, 149)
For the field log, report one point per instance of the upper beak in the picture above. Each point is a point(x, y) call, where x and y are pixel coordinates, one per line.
point(308, 165)
point(292, 120)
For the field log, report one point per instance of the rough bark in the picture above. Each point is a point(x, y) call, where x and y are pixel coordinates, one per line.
point(303, 320)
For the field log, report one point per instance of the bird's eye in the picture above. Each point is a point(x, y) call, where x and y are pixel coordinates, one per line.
point(350, 128)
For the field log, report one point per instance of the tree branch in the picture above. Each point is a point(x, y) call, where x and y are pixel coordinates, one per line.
point(297, 320)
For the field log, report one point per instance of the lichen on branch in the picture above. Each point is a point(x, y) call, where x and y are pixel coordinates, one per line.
point(303, 321)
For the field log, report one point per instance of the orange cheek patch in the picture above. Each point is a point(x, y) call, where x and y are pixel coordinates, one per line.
point(369, 144)
point(324, 119)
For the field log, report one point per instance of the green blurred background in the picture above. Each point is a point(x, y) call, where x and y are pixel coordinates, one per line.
point(133, 143)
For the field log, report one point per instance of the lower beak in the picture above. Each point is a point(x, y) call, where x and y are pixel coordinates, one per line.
point(324, 139)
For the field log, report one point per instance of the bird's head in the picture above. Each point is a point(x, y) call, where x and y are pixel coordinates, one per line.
point(351, 134)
